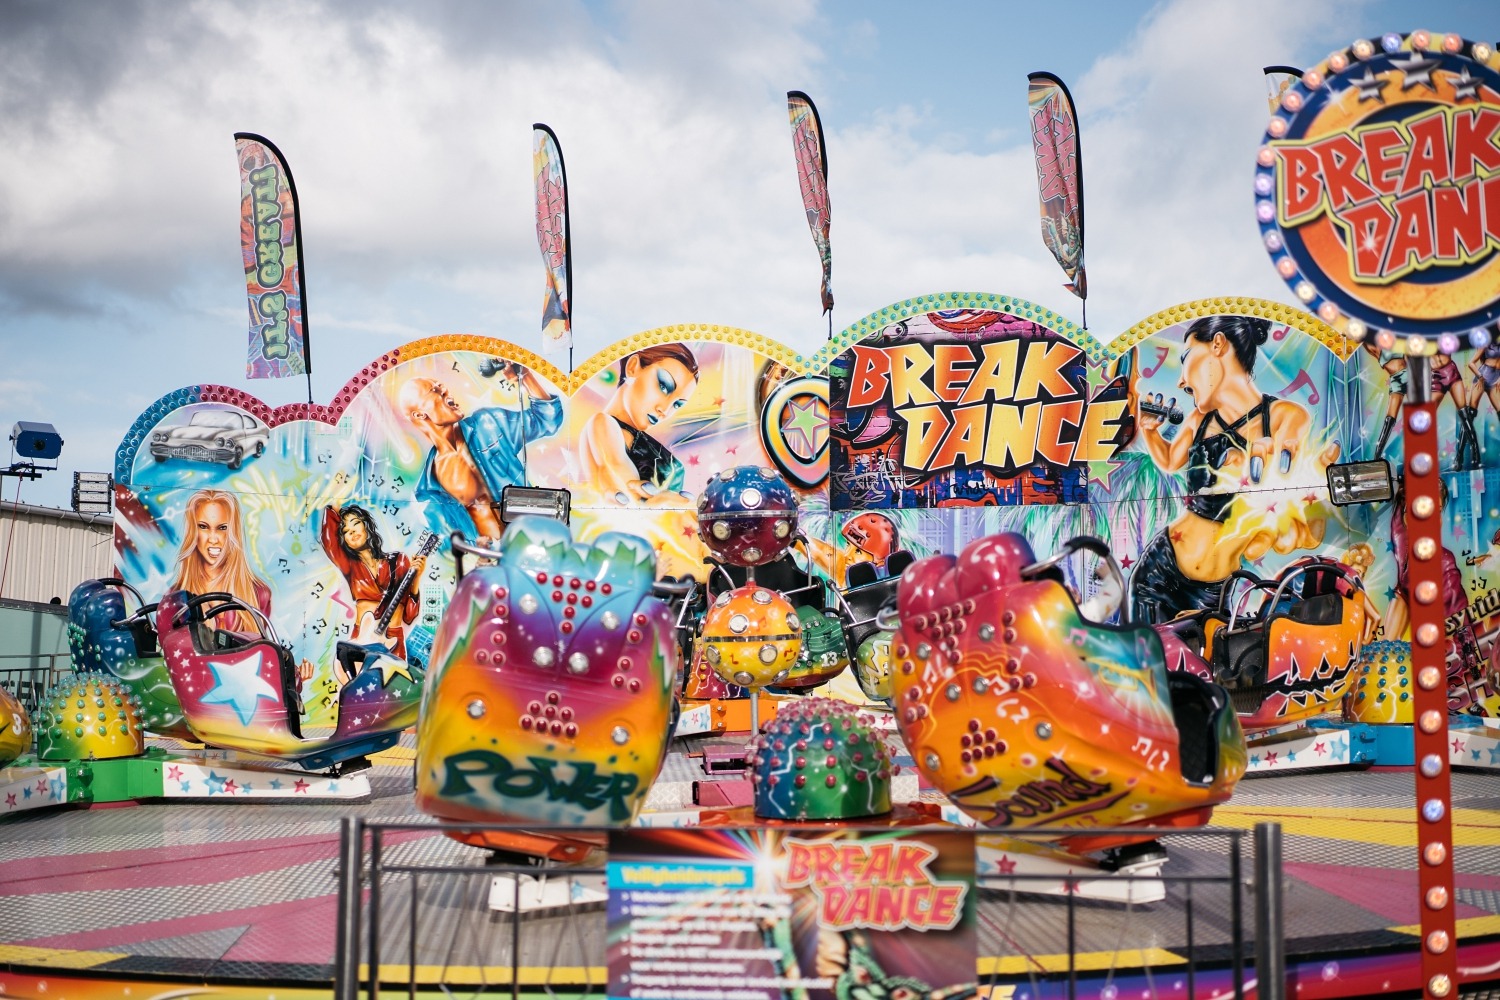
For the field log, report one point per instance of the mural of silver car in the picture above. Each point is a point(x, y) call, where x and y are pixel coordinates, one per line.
point(224, 437)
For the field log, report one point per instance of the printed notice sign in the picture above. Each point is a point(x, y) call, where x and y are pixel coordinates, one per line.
point(790, 915)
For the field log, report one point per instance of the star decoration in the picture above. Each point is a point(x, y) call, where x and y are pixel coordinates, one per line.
point(692, 460)
point(1417, 71)
point(333, 786)
point(390, 667)
point(1458, 745)
point(1127, 562)
point(1370, 87)
point(1271, 758)
point(1474, 754)
point(301, 786)
point(186, 785)
point(240, 686)
point(1320, 749)
point(174, 773)
point(1390, 593)
point(1465, 87)
point(1291, 757)
point(26, 792)
point(807, 429)
point(1495, 755)
point(56, 787)
point(1255, 760)
point(215, 783)
point(230, 786)
point(41, 786)
point(688, 531)
point(10, 799)
point(275, 784)
point(1006, 865)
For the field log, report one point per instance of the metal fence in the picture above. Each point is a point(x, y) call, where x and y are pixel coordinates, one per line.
point(420, 919)
point(28, 676)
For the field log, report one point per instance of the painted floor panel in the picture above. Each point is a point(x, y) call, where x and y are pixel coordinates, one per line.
point(221, 890)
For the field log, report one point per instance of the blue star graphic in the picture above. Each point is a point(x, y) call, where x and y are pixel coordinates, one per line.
point(215, 783)
point(1474, 754)
point(1495, 755)
point(1291, 756)
point(1255, 760)
point(275, 784)
point(55, 788)
point(1339, 748)
point(245, 786)
point(1390, 593)
point(26, 792)
point(333, 786)
point(240, 686)
point(187, 786)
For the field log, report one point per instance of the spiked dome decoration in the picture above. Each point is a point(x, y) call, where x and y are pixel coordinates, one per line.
point(1023, 712)
point(550, 686)
point(820, 759)
point(89, 717)
point(1373, 191)
point(747, 516)
point(1382, 691)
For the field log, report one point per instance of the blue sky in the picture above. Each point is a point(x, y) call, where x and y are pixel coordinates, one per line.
point(408, 130)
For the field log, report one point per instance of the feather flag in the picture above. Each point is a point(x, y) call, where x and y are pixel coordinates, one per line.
point(812, 176)
point(552, 237)
point(1278, 78)
point(1059, 174)
point(271, 244)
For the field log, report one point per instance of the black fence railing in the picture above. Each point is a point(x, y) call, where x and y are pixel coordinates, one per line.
point(413, 919)
point(29, 676)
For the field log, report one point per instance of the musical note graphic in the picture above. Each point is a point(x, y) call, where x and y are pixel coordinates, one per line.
point(317, 590)
point(1303, 379)
point(1280, 333)
point(285, 566)
point(399, 483)
point(1162, 354)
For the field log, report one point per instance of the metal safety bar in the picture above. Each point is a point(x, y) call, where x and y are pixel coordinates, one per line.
point(364, 873)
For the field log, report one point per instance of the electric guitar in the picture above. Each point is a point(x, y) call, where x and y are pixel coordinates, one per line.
point(374, 626)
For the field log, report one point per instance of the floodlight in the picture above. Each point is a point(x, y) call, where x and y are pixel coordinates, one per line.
point(1360, 482)
point(529, 501)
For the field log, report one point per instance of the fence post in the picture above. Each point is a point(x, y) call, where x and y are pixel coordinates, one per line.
point(351, 860)
point(1270, 931)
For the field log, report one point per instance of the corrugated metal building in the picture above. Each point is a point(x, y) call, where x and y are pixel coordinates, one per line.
point(46, 552)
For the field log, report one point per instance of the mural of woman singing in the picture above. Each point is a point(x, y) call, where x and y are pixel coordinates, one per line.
point(617, 452)
point(212, 558)
point(1234, 435)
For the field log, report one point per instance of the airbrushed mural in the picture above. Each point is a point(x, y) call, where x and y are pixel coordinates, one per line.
point(1196, 444)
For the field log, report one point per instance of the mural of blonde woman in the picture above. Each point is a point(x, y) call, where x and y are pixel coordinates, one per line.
point(616, 451)
point(212, 558)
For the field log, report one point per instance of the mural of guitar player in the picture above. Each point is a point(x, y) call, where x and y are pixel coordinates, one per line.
point(354, 544)
point(1236, 442)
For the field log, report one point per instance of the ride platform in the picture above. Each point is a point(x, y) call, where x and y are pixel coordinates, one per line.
point(245, 892)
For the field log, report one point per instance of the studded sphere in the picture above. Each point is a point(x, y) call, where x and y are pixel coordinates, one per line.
point(15, 733)
point(751, 636)
point(89, 717)
point(820, 759)
point(747, 516)
point(1384, 685)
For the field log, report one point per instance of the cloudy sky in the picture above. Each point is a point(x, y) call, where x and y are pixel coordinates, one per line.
point(408, 128)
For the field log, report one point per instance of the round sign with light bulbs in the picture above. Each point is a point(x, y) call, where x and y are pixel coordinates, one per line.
point(1377, 191)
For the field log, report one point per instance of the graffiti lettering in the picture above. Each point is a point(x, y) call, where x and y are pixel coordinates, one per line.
point(1006, 407)
point(1408, 195)
point(1067, 796)
point(586, 788)
point(265, 194)
point(275, 336)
